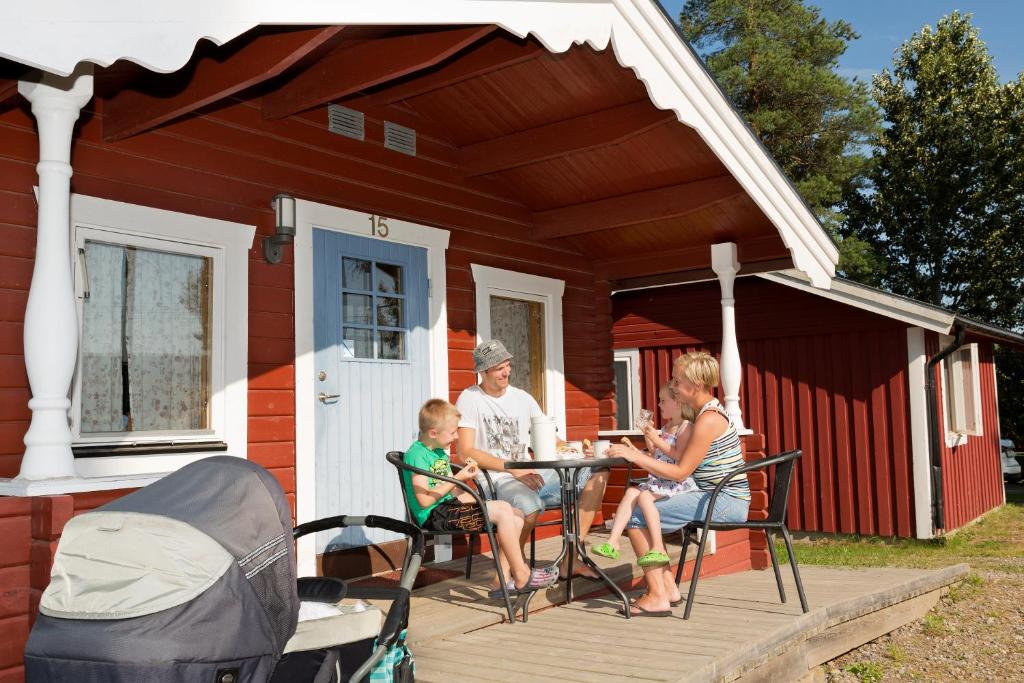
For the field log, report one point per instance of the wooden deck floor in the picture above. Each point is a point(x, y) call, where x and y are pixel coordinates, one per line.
point(738, 629)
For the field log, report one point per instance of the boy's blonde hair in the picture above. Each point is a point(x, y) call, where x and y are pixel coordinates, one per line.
point(699, 367)
point(434, 412)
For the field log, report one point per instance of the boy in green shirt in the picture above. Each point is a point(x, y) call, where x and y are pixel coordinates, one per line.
point(434, 507)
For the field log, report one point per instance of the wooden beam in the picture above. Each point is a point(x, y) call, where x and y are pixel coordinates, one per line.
point(591, 131)
point(640, 207)
point(494, 53)
point(131, 112)
point(680, 277)
point(8, 90)
point(366, 64)
point(645, 264)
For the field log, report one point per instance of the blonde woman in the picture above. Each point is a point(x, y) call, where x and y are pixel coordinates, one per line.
point(711, 451)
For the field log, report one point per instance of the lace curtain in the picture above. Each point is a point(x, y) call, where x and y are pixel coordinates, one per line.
point(519, 324)
point(146, 341)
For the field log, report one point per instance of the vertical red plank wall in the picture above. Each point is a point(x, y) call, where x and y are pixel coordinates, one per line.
point(817, 375)
point(972, 479)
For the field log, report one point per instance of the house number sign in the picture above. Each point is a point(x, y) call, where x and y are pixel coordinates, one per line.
point(379, 226)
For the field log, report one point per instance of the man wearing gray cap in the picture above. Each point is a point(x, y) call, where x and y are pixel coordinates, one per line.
point(495, 421)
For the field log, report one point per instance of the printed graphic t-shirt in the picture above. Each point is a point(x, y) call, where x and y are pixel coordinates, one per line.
point(500, 423)
point(436, 461)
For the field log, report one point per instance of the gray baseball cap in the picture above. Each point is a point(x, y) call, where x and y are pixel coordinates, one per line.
point(488, 354)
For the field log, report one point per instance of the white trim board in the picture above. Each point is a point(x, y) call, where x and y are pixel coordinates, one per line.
point(307, 216)
point(56, 36)
point(548, 291)
point(917, 366)
point(871, 300)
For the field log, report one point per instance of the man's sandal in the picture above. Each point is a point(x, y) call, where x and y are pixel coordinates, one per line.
point(606, 550)
point(653, 558)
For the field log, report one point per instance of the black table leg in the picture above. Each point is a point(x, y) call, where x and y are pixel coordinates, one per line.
point(575, 542)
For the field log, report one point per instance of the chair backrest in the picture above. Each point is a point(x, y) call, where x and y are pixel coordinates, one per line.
point(395, 458)
point(785, 463)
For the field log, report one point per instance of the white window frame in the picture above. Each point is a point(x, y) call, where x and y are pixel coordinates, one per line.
point(227, 244)
point(548, 292)
point(632, 360)
point(958, 424)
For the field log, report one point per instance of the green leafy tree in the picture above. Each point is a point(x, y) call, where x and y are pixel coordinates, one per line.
point(776, 60)
point(946, 208)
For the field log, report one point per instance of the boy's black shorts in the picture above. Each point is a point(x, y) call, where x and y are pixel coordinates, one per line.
point(455, 516)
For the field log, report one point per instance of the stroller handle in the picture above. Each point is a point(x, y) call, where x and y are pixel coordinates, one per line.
point(398, 612)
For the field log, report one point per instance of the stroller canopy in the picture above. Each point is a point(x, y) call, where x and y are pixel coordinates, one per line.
point(193, 574)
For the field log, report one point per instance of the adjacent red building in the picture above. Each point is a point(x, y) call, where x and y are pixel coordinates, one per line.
point(841, 374)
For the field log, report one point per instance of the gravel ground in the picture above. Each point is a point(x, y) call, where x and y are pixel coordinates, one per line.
point(975, 633)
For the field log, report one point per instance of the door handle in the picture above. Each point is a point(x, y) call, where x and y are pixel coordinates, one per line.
point(325, 397)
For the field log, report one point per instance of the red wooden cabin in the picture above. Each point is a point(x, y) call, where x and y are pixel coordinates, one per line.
point(515, 159)
point(841, 374)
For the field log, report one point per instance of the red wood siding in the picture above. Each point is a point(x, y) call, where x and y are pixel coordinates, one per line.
point(972, 475)
point(227, 165)
point(817, 375)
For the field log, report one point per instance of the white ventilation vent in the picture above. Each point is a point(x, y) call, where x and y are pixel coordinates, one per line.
point(399, 138)
point(345, 121)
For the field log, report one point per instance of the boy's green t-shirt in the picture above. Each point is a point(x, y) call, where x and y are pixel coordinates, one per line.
point(435, 460)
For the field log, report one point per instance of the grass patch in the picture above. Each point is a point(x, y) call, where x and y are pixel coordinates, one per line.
point(967, 588)
point(934, 625)
point(866, 672)
point(896, 654)
point(996, 542)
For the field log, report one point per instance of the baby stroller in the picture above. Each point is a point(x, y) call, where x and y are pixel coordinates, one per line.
point(193, 579)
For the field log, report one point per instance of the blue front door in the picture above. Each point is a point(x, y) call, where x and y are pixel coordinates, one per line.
point(372, 368)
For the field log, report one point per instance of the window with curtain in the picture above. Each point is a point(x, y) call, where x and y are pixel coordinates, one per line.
point(519, 324)
point(962, 391)
point(145, 357)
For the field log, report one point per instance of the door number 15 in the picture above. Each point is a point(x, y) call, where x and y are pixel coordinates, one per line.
point(378, 226)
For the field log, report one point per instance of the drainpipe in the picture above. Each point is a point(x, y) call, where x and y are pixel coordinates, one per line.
point(938, 510)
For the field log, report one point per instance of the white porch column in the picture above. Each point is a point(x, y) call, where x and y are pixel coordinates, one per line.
point(51, 327)
point(726, 265)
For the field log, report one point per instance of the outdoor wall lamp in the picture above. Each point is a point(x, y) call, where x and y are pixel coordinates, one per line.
point(284, 227)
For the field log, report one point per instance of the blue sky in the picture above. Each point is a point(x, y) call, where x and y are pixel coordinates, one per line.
point(883, 25)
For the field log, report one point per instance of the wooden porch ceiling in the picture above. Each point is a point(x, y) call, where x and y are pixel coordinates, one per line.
point(571, 137)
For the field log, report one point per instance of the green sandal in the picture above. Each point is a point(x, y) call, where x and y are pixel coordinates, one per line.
point(606, 550)
point(653, 558)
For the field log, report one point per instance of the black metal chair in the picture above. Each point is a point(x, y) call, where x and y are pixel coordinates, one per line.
point(395, 458)
point(784, 465)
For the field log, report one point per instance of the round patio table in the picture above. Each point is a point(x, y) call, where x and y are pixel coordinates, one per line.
point(568, 474)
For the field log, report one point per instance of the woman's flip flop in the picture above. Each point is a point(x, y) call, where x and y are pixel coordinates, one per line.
point(638, 611)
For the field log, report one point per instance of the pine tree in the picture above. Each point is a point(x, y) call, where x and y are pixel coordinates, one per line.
point(776, 60)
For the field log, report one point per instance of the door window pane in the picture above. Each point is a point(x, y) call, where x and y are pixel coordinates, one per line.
point(145, 340)
point(356, 308)
point(357, 343)
point(355, 274)
point(389, 278)
point(389, 311)
point(392, 345)
point(373, 310)
point(519, 325)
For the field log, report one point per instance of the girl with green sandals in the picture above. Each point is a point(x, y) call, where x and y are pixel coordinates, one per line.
point(663, 445)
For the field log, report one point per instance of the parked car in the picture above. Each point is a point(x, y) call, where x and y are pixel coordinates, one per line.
point(1009, 458)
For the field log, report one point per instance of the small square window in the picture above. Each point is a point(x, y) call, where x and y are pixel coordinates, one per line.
point(373, 311)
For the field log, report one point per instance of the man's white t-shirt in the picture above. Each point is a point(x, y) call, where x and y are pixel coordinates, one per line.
point(500, 423)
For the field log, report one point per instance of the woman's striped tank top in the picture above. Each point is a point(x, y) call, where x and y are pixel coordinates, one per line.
point(724, 455)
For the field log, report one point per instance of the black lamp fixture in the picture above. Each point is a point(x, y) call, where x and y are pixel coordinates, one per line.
point(284, 230)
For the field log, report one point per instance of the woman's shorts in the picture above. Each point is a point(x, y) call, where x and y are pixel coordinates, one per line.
point(692, 506)
point(455, 517)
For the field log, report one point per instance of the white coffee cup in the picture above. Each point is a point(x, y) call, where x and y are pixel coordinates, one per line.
point(601, 448)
